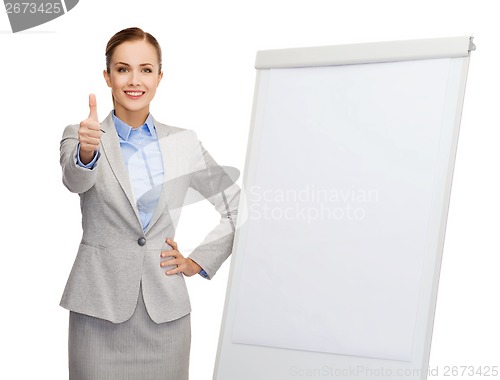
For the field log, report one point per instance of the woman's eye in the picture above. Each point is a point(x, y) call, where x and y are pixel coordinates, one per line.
point(126, 70)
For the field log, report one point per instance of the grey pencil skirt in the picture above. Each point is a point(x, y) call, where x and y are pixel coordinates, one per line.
point(137, 349)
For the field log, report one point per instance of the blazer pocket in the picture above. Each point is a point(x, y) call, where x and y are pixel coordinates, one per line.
point(93, 245)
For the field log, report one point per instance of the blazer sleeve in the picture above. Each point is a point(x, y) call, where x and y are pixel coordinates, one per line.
point(211, 181)
point(75, 177)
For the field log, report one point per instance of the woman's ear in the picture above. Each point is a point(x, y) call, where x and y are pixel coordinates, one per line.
point(160, 76)
point(107, 77)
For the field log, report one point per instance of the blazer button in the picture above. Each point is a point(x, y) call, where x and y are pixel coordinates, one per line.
point(141, 241)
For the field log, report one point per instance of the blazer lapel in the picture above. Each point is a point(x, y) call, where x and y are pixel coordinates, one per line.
point(111, 146)
point(169, 156)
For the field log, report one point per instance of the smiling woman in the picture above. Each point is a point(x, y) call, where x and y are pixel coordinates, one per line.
point(133, 71)
point(128, 301)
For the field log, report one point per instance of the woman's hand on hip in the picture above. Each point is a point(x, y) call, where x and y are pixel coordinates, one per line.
point(184, 265)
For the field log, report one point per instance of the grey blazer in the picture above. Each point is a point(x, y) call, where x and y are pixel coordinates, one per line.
point(113, 256)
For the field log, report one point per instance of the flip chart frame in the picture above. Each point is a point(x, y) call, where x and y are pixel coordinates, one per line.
point(248, 356)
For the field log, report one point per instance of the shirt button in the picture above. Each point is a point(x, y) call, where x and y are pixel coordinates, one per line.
point(141, 241)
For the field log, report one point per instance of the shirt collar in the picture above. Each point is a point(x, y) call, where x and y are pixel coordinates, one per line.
point(123, 129)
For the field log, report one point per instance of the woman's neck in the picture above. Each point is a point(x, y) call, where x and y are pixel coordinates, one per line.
point(133, 118)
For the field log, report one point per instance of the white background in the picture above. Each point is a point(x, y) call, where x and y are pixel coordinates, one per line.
point(209, 51)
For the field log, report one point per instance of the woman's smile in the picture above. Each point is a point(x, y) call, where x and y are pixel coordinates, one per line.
point(134, 94)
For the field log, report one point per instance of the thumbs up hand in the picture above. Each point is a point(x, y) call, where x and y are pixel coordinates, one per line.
point(89, 133)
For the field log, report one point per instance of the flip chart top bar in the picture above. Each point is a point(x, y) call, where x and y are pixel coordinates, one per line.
point(374, 52)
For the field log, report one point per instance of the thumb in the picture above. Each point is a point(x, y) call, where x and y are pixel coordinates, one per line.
point(93, 107)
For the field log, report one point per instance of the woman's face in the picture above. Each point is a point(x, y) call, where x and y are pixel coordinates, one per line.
point(134, 76)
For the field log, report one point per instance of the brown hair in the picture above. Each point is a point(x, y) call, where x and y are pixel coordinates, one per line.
point(130, 34)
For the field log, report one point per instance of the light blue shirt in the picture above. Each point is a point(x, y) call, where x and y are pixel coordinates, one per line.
point(142, 156)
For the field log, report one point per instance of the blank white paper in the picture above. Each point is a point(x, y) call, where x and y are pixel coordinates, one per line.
point(339, 199)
